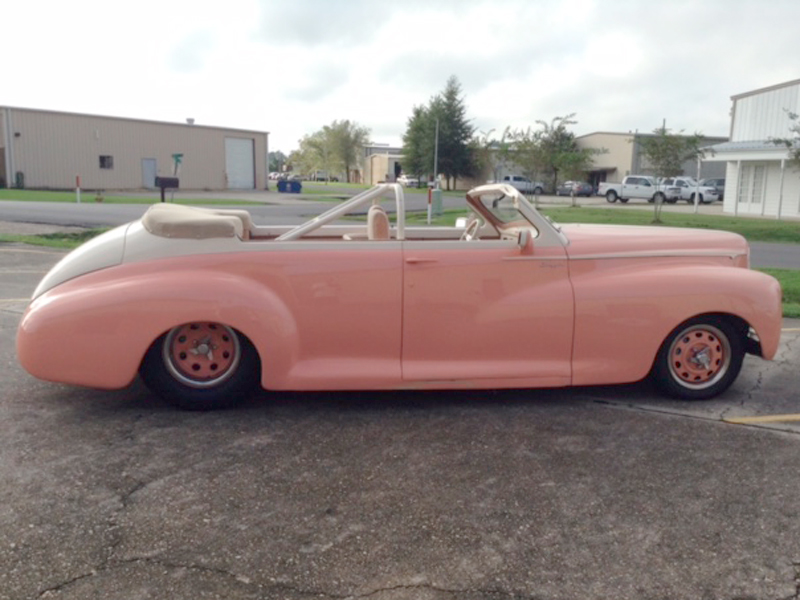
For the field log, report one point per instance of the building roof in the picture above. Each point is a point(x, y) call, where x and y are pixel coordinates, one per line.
point(748, 150)
point(173, 123)
point(766, 89)
point(750, 146)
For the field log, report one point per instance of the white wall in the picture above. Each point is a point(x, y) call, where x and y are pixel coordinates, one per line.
point(763, 115)
point(771, 198)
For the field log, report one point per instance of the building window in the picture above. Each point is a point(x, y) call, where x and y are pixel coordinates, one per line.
point(752, 184)
point(106, 162)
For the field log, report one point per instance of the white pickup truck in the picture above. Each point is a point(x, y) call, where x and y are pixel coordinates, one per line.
point(522, 183)
point(642, 187)
point(688, 187)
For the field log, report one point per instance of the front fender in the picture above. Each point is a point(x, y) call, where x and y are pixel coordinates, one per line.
point(95, 330)
point(623, 315)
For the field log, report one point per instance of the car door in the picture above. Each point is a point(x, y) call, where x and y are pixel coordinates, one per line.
point(643, 188)
point(486, 309)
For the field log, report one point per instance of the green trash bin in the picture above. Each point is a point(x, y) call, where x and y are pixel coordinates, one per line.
point(436, 201)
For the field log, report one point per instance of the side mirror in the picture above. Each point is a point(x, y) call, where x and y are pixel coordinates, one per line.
point(525, 241)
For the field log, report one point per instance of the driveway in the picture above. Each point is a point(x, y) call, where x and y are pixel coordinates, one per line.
point(606, 492)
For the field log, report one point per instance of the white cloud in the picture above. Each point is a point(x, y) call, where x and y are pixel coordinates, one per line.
point(292, 67)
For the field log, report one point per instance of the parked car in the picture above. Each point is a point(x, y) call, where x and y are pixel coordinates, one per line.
point(718, 183)
point(689, 188)
point(638, 186)
point(407, 181)
point(207, 306)
point(579, 188)
point(523, 184)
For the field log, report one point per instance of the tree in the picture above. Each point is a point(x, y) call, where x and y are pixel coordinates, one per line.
point(526, 151)
point(313, 154)
point(560, 155)
point(346, 141)
point(335, 148)
point(418, 143)
point(276, 160)
point(550, 152)
point(791, 143)
point(488, 153)
point(666, 152)
point(455, 133)
point(454, 157)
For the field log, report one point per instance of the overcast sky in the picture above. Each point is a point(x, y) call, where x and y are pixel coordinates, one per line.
point(290, 67)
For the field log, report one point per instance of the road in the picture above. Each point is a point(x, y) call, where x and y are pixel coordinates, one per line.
point(596, 493)
point(287, 209)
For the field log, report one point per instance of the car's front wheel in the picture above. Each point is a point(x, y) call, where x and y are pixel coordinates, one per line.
point(201, 366)
point(700, 358)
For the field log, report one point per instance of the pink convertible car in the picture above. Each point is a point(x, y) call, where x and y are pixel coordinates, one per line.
point(207, 306)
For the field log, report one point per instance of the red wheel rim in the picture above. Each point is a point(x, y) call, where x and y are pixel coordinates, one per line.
point(699, 356)
point(202, 354)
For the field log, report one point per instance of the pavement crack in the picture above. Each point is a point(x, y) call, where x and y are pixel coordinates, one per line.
point(48, 592)
point(111, 565)
point(454, 592)
point(678, 414)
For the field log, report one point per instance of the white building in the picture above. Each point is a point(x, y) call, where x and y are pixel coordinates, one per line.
point(759, 179)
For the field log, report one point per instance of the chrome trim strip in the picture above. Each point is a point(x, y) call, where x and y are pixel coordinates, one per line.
point(662, 254)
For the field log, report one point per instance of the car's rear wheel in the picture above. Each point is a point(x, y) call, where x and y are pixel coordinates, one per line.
point(700, 358)
point(201, 366)
point(659, 197)
point(611, 196)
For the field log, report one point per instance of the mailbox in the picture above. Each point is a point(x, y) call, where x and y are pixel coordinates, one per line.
point(166, 182)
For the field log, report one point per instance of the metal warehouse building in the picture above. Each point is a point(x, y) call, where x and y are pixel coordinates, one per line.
point(47, 150)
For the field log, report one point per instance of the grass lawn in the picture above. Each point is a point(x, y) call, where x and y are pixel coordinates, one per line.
point(67, 241)
point(755, 230)
point(790, 284)
point(89, 198)
point(769, 230)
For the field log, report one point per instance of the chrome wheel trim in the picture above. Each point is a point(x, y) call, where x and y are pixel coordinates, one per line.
point(688, 351)
point(173, 362)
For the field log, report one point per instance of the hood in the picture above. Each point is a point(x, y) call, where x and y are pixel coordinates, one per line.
point(587, 240)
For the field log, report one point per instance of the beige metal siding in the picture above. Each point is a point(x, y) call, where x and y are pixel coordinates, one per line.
point(53, 148)
point(616, 152)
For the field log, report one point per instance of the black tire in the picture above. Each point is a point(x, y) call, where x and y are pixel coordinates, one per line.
point(624, 200)
point(659, 197)
point(538, 191)
point(700, 358)
point(611, 196)
point(671, 200)
point(178, 369)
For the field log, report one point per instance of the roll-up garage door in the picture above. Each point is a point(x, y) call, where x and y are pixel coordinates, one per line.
point(240, 163)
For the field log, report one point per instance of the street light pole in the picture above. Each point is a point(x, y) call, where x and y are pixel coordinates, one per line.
point(436, 157)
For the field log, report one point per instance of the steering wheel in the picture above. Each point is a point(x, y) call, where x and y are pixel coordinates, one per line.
point(471, 231)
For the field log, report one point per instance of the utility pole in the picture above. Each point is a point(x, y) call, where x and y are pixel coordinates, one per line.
point(436, 156)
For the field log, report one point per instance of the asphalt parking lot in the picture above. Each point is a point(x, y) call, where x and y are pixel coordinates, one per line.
point(557, 494)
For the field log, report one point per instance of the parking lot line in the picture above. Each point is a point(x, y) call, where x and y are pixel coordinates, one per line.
point(763, 419)
point(791, 329)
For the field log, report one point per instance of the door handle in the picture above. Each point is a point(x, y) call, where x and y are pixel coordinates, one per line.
point(418, 261)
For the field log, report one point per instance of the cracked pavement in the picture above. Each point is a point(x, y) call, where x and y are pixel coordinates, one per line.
point(557, 494)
